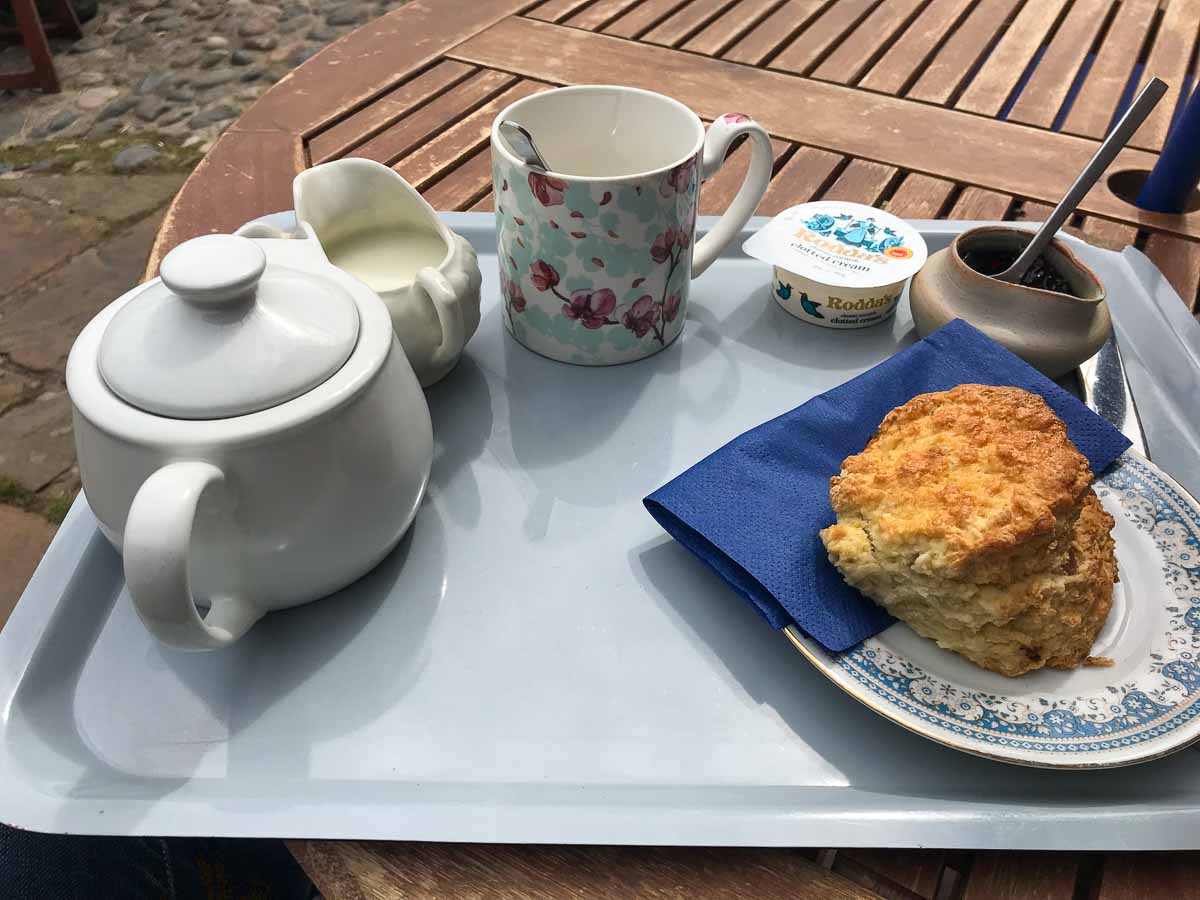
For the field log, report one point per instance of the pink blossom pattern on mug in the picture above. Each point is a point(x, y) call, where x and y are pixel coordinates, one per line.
point(591, 308)
point(660, 250)
point(735, 118)
point(543, 275)
point(679, 179)
point(548, 190)
point(511, 293)
point(561, 272)
point(670, 307)
point(640, 317)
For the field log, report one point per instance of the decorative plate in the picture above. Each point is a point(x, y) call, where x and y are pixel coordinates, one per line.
point(1146, 705)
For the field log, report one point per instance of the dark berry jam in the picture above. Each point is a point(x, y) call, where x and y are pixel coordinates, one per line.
point(992, 261)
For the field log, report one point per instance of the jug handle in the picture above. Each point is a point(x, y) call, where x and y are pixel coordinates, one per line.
point(449, 313)
point(156, 545)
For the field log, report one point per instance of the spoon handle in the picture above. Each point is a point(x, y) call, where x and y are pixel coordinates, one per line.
point(1107, 152)
point(521, 142)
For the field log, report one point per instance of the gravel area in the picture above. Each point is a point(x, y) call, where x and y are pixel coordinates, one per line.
point(174, 72)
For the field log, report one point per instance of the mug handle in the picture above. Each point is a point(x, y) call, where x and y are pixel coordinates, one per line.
point(449, 312)
point(158, 536)
point(720, 135)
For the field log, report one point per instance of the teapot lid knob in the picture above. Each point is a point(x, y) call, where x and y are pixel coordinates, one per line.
point(215, 270)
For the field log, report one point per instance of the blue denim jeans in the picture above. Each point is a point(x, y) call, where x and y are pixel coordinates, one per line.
point(63, 867)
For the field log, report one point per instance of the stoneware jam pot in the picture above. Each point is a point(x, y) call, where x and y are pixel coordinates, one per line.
point(1052, 331)
point(374, 225)
point(250, 434)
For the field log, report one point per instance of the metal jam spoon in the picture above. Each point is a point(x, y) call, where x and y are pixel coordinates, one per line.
point(1112, 145)
point(521, 142)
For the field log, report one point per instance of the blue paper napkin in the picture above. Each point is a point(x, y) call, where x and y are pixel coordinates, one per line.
point(751, 511)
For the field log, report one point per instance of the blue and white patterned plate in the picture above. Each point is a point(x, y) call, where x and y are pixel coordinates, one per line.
point(1144, 706)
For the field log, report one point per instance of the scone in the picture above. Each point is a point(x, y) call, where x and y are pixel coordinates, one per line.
point(978, 484)
point(1046, 619)
point(969, 516)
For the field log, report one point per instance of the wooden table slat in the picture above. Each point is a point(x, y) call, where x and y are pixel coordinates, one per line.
point(801, 178)
point(869, 41)
point(727, 28)
point(243, 175)
point(556, 10)
point(1129, 876)
point(981, 205)
point(1108, 234)
point(1094, 105)
point(941, 78)
point(1179, 261)
point(814, 43)
point(920, 197)
point(343, 136)
point(417, 127)
point(908, 53)
point(461, 188)
point(775, 31)
point(984, 152)
point(642, 17)
point(424, 871)
point(718, 192)
point(685, 22)
point(308, 98)
point(918, 871)
point(1169, 59)
point(452, 146)
point(862, 181)
point(1022, 876)
point(599, 14)
point(1043, 95)
point(486, 203)
point(989, 90)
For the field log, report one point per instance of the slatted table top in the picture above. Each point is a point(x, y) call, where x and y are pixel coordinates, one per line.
point(964, 109)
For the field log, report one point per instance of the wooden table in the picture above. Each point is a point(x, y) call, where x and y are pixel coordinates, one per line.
point(964, 109)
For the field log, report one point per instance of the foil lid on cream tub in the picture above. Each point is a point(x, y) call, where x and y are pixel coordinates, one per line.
point(839, 265)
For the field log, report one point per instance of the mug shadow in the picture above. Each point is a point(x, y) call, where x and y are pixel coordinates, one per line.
point(564, 419)
point(460, 406)
point(837, 727)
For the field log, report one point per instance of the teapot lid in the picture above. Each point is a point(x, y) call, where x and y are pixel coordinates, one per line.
point(221, 334)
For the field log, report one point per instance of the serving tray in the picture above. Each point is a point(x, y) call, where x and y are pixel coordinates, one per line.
point(537, 661)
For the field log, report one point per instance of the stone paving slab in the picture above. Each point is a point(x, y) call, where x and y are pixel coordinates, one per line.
point(38, 326)
point(37, 238)
point(25, 537)
point(108, 199)
point(36, 442)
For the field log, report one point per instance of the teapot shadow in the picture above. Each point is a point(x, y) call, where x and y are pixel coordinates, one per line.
point(366, 645)
point(460, 406)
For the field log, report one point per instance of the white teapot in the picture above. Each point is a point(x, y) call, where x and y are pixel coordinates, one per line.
point(250, 434)
point(372, 224)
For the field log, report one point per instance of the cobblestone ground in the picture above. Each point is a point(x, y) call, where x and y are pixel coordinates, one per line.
point(85, 177)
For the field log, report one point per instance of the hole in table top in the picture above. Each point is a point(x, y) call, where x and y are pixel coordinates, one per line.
point(1128, 182)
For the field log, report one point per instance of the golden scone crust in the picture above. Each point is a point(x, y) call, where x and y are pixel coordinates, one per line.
point(978, 484)
point(1045, 619)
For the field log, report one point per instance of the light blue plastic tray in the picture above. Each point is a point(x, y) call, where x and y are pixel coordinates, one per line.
point(537, 661)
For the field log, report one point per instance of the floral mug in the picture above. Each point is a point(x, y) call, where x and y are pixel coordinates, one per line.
point(597, 253)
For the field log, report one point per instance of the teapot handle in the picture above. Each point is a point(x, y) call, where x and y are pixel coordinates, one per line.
point(156, 544)
point(449, 313)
